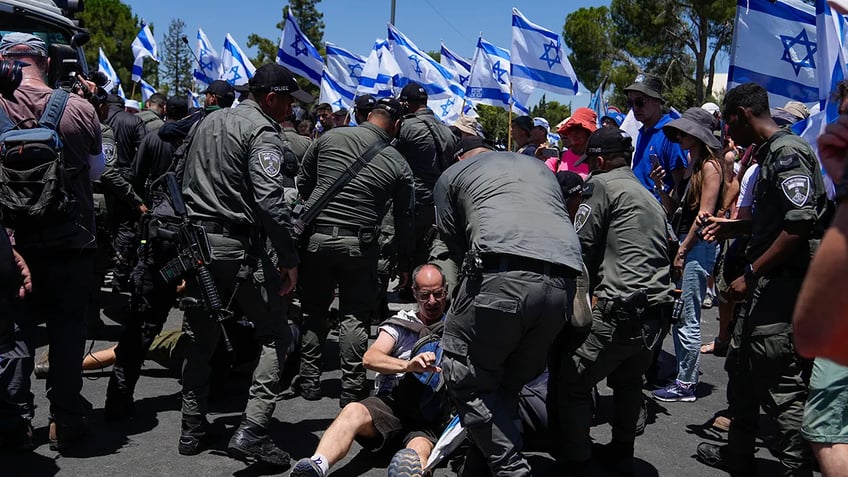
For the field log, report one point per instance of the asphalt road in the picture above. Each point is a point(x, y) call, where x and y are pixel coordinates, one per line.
point(147, 444)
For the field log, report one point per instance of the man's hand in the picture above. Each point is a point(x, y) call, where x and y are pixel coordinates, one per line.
point(833, 146)
point(738, 289)
point(289, 277)
point(657, 175)
point(403, 280)
point(143, 208)
point(26, 278)
point(423, 363)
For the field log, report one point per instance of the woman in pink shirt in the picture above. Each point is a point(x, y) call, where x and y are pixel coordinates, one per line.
point(574, 134)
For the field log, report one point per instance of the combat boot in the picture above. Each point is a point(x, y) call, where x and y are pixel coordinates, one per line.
point(119, 403)
point(67, 431)
point(251, 443)
point(616, 456)
point(197, 433)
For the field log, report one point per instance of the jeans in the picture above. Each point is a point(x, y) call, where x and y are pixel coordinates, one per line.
point(687, 332)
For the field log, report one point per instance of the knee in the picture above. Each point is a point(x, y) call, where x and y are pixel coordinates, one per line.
point(355, 416)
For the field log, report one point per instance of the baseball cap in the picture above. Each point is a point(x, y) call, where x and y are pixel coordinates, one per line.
point(468, 125)
point(413, 92)
point(582, 118)
point(341, 112)
point(570, 182)
point(468, 143)
point(220, 88)
point(392, 105)
point(606, 141)
point(278, 79)
point(366, 102)
point(36, 45)
point(648, 85)
point(542, 123)
point(711, 108)
point(523, 122)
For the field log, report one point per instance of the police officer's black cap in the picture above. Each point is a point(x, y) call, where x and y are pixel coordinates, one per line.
point(276, 78)
point(606, 141)
point(341, 112)
point(220, 88)
point(468, 143)
point(413, 92)
point(570, 182)
point(392, 106)
point(366, 102)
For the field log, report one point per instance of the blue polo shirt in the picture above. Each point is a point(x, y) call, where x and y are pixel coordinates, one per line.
point(653, 141)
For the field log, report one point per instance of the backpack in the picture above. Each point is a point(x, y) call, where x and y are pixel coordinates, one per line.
point(32, 171)
point(425, 389)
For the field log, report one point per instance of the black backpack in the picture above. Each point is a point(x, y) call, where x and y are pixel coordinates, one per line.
point(32, 172)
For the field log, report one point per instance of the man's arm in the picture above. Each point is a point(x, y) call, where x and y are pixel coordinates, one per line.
point(403, 210)
point(591, 224)
point(307, 176)
point(378, 359)
point(446, 219)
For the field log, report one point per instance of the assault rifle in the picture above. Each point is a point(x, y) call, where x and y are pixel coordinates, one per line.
point(193, 255)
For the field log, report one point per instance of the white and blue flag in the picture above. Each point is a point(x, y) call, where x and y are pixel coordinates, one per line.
point(538, 61)
point(598, 103)
point(147, 90)
point(144, 46)
point(209, 66)
point(193, 99)
point(121, 93)
point(444, 96)
point(381, 75)
point(237, 68)
point(298, 54)
point(105, 67)
point(489, 81)
point(340, 77)
point(459, 66)
point(775, 45)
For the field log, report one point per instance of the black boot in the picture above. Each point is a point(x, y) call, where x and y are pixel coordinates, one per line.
point(616, 456)
point(119, 401)
point(251, 443)
point(197, 433)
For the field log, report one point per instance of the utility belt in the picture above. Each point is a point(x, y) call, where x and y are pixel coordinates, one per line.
point(366, 234)
point(493, 263)
point(226, 229)
point(630, 308)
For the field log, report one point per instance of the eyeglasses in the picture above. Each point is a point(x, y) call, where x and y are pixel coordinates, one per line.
point(424, 295)
point(637, 103)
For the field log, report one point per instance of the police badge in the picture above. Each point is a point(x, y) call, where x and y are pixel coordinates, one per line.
point(796, 189)
point(582, 216)
point(109, 153)
point(271, 162)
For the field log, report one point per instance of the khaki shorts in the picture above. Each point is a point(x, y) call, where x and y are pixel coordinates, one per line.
point(826, 411)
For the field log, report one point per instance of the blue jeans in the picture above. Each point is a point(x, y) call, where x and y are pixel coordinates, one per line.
point(687, 332)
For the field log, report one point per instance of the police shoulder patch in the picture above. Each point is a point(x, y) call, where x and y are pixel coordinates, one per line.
point(582, 216)
point(271, 162)
point(588, 189)
point(786, 163)
point(796, 189)
point(109, 152)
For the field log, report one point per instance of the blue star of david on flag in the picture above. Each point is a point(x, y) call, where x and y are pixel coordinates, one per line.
point(551, 47)
point(416, 61)
point(498, 72)
point(299, 50)
point(233, 75)
point(339, 104)
point(353, 68)
point(209, 63)
point(463, 80)
point(446, 107)
point(790, 54)
point(298, 54)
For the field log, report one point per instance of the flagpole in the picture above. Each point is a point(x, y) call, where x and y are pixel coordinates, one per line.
point(133, 90)
point(509, 123)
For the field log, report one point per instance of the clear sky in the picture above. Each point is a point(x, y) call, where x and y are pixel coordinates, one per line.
point(355, 24)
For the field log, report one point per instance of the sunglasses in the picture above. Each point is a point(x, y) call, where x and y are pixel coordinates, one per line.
point(425, 295)
point(637, 103)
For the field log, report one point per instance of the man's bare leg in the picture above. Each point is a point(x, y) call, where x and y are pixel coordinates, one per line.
point(422, 446)
point(833, 458)
point(352, 421)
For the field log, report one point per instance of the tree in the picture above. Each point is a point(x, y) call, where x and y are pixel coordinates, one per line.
point(311, 22)
point(552, 111)
point(176, 59)
point(113, 27)
point(495, 122)
point(677, 40)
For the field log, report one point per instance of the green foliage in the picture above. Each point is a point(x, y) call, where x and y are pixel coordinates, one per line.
point(551, 110)
point(176, 59)
point(677, 40)
point(113, 27)
point(495, 122)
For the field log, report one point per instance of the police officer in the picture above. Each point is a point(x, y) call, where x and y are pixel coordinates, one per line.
point(233, 188)
point(789, 201)
point(521, 255)
point(154, 111)
point(622, 231)
point(342, 247)
point(362, 107)
point(428, 146)
point(219, 94)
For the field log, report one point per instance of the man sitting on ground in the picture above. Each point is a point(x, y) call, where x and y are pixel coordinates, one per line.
point(379, 420)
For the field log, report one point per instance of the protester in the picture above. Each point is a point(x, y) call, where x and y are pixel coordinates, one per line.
point(520, 129)
point(574, 134)
point(323, 116)
point(698, 192)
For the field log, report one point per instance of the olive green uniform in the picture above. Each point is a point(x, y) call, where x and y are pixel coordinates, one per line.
point(789, 195)
point(233, 187)
point(152, 121)
point(341, 247)
point(622, 230)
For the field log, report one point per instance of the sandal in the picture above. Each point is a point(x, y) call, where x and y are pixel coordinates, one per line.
point(716, 347)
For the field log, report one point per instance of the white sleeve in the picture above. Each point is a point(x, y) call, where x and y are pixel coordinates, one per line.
point(746, 187)
point(96, 166)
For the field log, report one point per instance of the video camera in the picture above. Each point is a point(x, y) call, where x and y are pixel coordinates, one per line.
point(10, 76)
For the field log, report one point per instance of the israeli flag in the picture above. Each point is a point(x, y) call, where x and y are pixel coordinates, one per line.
point(489, 81)
point(381, 75)
point(445, 97)
point(597, 103)
point(774, 45)
point(105, 67)
point(193, 99)
point(144, 46)
point(298, 54)
point(538, 61)
point(146, 90)
point(340, 77)
point(208, 61)
point(237, 68)
point(121, 93)
point(457, 65)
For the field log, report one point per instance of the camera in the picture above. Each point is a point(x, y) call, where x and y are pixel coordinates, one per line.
point(10, 76)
